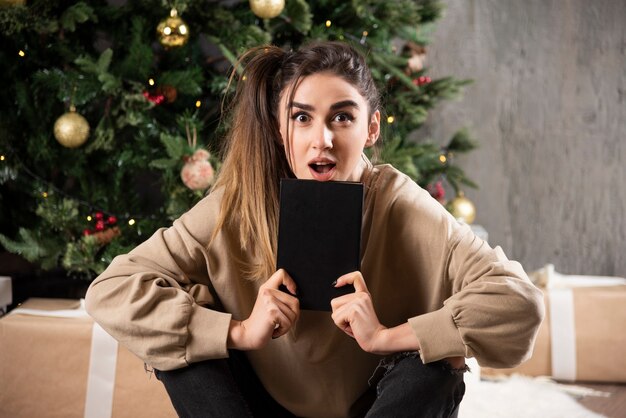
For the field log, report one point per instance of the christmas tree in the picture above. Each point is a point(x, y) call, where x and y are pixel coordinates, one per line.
point(111, 110)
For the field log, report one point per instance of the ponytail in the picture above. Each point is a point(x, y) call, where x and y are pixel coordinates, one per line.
point(254, 162)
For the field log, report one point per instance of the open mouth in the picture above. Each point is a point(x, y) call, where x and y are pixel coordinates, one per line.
point(322, 167)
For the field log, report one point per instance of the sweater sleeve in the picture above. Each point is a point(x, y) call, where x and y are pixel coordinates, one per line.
point(494, 312)
point(152, 300)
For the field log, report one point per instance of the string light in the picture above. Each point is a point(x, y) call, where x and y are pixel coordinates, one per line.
point(198, 103)
point(390, 119)
point(151, 82)
point(443, 159)
point(1, 157)
point(364, 37)
point(131, 222)
point(44, 194)
point(89, 218)
point(328, 23)
point(21, 53)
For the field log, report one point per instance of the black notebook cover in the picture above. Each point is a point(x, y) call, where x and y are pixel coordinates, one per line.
point(319, 237)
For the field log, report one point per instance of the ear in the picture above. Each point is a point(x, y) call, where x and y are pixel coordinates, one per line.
point(373, 130)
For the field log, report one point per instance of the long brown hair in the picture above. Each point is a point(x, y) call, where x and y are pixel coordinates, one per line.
point(255, 158)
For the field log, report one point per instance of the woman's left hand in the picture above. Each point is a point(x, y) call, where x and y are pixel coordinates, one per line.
point(354, 313)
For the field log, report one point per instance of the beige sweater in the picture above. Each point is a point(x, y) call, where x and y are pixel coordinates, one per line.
point(170, 300)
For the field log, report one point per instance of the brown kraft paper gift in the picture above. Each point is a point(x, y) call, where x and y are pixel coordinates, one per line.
point(44, 367)
point(600, 338)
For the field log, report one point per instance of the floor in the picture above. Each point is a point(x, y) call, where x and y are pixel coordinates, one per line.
point(613, 406)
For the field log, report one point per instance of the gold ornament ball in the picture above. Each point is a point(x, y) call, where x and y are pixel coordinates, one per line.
point(173, 31)
point(462, 208)
point(267, 9)
point(71, 129)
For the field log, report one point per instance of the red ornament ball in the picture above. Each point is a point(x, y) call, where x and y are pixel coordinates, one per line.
point(86, 232)
point(112, 220)
point(100, 225)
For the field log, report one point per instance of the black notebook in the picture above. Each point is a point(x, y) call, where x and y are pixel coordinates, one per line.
point(319, 237)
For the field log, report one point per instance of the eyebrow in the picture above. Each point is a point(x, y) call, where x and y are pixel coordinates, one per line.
point(334, 106)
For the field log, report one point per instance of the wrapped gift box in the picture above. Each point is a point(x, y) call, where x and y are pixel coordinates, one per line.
point(48, 369)
point(583, 336)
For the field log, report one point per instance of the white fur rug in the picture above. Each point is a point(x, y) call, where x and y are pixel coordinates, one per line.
point(523, 397)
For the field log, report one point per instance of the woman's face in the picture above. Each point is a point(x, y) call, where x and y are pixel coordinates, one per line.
point(329, 127)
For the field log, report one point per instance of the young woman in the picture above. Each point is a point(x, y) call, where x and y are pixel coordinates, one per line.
point(200, 301)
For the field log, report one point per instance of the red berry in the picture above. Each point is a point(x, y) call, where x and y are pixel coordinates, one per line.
point(441, 193)
point(112, 220)
point(99, 225)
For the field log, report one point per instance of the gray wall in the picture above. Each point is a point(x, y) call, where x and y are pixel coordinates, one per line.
point(548, 106)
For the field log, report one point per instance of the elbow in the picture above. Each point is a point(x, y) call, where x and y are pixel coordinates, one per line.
point(535, 314)
point(91, 301)
point(102, 300)
point(532, 316)
point(537, 310)
point(514, 340)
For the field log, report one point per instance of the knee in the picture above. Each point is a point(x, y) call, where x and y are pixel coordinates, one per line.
point(420, 385)
point(408, 369)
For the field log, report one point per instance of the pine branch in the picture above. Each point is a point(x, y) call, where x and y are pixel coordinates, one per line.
point(185, 81)
point(77, 13)
point(462, 142)
point(174, 146)
point(79, 256)
point(298, 15)
point(138, 62)
point(32, 247)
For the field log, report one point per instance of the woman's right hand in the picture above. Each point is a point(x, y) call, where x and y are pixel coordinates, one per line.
point(273, 314)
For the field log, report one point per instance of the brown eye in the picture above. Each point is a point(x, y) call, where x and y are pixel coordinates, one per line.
point(343, 117)
point(301, 117)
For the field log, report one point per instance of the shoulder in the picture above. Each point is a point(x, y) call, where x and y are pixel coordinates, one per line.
point(403, 206)
point(201, 219)
point(389, 187)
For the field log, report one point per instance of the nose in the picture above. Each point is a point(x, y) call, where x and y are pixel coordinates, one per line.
point(324, 138)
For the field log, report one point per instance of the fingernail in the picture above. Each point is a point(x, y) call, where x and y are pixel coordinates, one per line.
point(333, 284)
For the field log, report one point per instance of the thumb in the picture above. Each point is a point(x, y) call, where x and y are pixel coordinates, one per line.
point(354, 278)
point(281, 277)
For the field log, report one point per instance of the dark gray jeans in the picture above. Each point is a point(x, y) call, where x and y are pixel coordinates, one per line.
point(401, 386)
